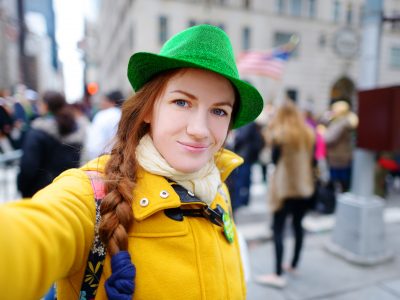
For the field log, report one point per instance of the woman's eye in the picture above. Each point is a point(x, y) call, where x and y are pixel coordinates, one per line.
point(219, 112)
point(181, 103)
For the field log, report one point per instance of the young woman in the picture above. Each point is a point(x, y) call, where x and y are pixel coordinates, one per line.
point(291, 185)
point(165, 216)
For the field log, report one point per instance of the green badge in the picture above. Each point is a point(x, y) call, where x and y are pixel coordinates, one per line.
point(228, 227)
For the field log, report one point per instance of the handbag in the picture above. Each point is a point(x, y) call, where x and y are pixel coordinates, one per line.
point(323, 199)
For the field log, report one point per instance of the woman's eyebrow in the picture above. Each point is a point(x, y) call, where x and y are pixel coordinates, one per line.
point(195, 98)
point(185, 93)
point(224, 103)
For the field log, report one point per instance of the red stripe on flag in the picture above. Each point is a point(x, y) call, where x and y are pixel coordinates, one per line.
point(260, 63)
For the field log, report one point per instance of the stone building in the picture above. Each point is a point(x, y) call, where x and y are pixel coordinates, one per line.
point(324, 66)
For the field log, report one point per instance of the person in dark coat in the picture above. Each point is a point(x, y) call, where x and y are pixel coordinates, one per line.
point(248, 143)
point(51, 146)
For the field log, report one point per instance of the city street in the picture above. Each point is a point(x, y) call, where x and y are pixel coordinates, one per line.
point(321, 275)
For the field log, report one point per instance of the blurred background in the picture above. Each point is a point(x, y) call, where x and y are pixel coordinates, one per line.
point(315, 53)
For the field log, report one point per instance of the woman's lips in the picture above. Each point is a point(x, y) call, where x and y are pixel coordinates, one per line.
point(194, 147)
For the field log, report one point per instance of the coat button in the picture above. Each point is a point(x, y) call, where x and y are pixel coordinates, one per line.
point(164, 194)
point(191, 193)
point(144, 202)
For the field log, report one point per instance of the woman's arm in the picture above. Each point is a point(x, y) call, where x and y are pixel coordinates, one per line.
point(46, 238)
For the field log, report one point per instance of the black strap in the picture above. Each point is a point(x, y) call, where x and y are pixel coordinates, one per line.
point(213, 215)
point(97, 254)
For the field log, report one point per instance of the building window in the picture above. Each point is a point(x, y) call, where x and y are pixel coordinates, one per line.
point(395, 57)
point(396, 25)
point(312, 9)
point(361, 16)
point(163, 30)
point(246, 4)
point(192, 23)
point(130, 37)
point(246, 38)
point(336, 11)
point(280, 6)
point(322, 40)
point(292, 94)
point(295, 7)
point(349, 14)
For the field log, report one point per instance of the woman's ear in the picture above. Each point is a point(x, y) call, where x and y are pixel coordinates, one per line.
point(147, 118)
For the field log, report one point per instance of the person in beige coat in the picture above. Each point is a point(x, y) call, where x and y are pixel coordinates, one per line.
point(339, 136)
point(291, 184)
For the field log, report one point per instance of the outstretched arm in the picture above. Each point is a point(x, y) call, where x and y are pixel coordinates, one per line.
point(46, 238)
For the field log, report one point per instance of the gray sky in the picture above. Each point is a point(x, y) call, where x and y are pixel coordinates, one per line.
point(70, 19)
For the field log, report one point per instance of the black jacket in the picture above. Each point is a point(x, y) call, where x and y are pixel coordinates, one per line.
point(249, 142)
point(46, 154)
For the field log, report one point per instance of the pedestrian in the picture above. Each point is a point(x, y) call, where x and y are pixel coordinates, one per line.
point(104, 125)
point(248, 143)
point(339, 139)
point(164, 220)
point(52, 145)
point(291, 185)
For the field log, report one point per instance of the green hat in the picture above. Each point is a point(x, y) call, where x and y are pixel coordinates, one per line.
point(204, 47)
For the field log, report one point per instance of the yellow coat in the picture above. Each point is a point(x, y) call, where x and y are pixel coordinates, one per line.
point(49, 238)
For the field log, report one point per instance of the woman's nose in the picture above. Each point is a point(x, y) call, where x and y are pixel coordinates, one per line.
point(197, 125)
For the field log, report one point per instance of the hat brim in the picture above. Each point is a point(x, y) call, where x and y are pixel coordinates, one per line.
point(143, 66)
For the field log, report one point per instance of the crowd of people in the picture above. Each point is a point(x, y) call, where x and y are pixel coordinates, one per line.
point(53, 134)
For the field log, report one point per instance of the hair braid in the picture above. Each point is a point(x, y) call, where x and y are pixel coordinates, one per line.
point(121, 169)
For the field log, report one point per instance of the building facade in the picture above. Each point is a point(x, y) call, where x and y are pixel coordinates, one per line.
point(325, 65)
point(9, 60)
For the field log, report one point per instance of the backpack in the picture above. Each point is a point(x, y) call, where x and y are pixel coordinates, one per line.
point(97, 254)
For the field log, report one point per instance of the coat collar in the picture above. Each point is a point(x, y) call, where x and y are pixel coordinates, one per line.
point(154, 193)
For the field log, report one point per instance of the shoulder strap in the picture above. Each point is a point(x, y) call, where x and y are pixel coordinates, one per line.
point(97, 254)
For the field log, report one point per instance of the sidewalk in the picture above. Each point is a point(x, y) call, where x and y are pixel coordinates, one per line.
point(321, 275)
point(324, 276)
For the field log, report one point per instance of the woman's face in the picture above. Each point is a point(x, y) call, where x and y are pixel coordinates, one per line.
point(190, 120)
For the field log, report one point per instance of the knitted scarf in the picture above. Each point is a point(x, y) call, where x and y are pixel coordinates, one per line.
point(203, 183)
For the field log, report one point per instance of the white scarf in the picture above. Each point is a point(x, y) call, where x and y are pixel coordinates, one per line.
point(203, 183)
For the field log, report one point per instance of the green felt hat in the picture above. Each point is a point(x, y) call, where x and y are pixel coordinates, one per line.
point(204, 47)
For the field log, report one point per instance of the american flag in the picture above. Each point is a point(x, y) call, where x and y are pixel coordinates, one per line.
point(265, 63)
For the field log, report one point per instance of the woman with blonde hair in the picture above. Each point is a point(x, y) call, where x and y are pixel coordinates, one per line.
point(291, 184)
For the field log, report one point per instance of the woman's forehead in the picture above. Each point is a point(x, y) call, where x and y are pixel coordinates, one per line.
point(198, 82)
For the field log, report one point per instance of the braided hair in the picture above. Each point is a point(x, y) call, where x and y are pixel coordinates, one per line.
point(121, 168)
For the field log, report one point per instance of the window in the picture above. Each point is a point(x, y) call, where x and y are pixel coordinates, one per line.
point(361, 16)
point(395, 57)
point(312, 10)
point(349, 14)
point(396, 25)
point(322, 40)
point(246, 4)
point(295, 7)
point(246, 38)
point(280, 6)
point(192, 23)
point(162, 22)
point(336, 11)
point(292, 94)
